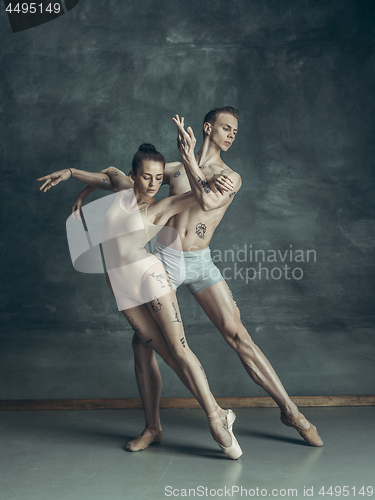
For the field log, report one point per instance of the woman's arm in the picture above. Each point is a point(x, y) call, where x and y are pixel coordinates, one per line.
point(120, 181)
point(159, 213)
point(91, 178)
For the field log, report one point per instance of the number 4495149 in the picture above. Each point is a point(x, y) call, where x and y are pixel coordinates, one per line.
point(33, 7)
point(345, 491)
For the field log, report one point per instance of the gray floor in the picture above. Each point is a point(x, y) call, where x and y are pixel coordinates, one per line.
point(79, 455)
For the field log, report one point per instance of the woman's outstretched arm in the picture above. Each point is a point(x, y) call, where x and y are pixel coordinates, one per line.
point(120, 181)
point(93, 179)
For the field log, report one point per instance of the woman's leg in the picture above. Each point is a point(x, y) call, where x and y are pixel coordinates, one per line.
point(173, 348)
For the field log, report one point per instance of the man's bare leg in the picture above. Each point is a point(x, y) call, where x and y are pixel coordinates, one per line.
point(220, 306)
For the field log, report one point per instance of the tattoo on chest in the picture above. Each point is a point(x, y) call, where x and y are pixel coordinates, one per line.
point(105, 182)
point(204, 185)
point(200, 229)
point(177, 174)
point(232, 194)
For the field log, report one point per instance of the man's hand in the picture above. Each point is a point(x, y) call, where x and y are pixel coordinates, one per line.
point(54, 179)
point(186, 140)
point(222, 182)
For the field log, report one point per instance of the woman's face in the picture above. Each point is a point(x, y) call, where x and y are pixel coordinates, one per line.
point(149, 177)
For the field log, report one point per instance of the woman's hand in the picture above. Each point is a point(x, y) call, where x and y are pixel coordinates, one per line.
point(223, 183)
point(54, 179)
point(76, 208)
point(185, 138)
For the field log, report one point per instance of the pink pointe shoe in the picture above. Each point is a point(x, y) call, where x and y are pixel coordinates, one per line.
point(150, 435)
point(310, 435)
point(234, 450)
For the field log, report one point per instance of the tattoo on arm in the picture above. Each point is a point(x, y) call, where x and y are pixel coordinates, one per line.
point(204, 185)
point(183, 342)
point(200, 230)
point(106, 182)
point(176, 320)
point(177, 174)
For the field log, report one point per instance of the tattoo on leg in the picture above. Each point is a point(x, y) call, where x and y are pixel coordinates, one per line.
point(183, 342)
point(176, 320)
point(160, 278)
point(135, 329)
point(156, 305)
point(105, 182)
point(232, 194)
point(234, 300)
point(200, 229)
point(177, 174)
point(204, 185)
point(204, 373)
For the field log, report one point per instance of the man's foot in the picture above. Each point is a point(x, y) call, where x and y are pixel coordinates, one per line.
point(149, 436)
point(305, 428)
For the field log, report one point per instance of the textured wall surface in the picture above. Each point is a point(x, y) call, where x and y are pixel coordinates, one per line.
point(87, 88)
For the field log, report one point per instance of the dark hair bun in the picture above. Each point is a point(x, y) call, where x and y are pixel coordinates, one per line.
point(147, 148)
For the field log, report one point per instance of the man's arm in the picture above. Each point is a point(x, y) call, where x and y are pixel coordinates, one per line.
point(211, 193)
point(215, 192)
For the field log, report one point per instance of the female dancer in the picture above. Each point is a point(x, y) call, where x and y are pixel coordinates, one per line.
point(138, 279)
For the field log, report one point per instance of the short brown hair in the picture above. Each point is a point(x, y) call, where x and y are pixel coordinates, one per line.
point(212, 115)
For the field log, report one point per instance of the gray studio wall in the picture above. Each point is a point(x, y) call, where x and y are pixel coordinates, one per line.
point(86, 89)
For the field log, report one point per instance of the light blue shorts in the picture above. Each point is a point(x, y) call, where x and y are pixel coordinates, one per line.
point(193, 269)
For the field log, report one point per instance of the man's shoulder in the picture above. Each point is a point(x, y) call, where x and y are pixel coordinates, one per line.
point(173, 166)
point(170, 170)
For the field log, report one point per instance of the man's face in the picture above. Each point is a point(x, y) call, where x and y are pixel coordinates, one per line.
point(223, 132)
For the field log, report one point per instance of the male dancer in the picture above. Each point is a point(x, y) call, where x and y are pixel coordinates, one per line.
point(214, 185)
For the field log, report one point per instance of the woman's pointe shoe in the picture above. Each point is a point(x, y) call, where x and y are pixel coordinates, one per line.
point(310, 435)
point(149, 435)
point(230, 418)
point(234, 450)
